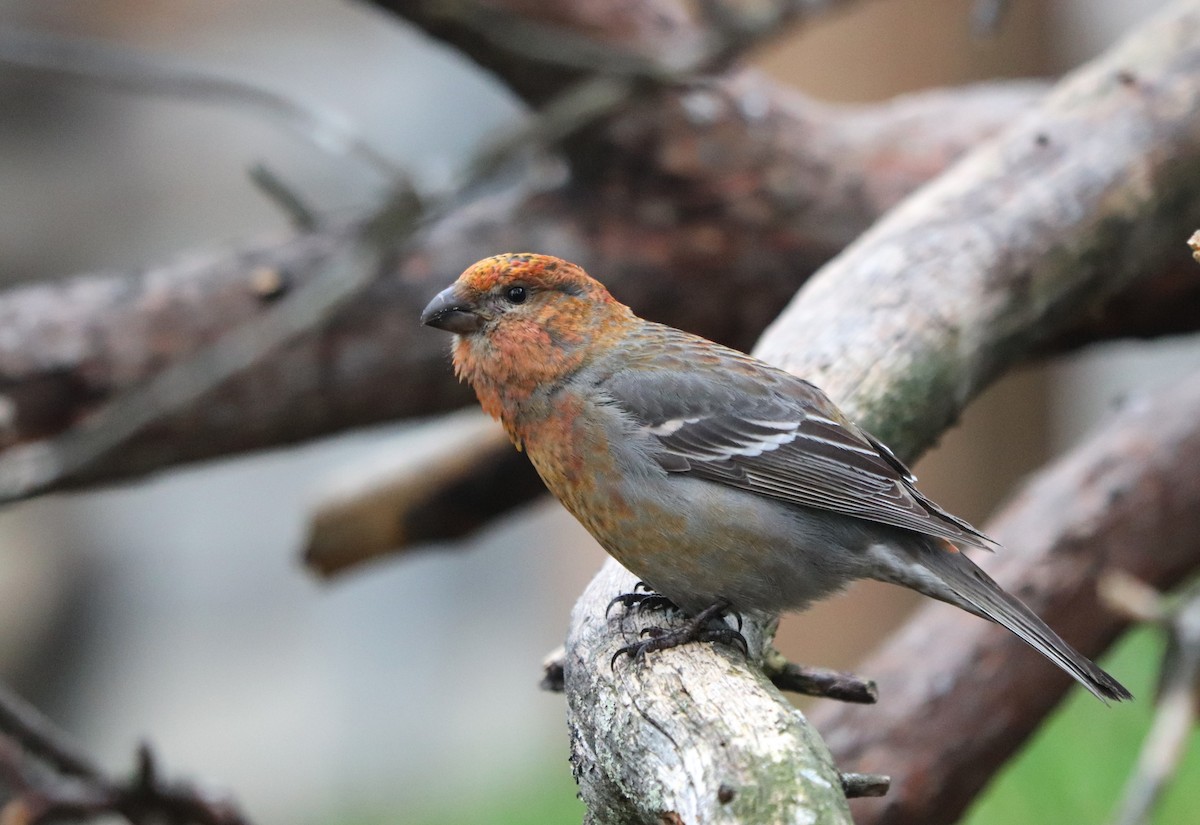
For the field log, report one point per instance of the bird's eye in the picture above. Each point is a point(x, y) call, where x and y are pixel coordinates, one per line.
point(516, 294)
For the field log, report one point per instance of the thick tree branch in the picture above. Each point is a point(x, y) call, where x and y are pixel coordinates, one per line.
point(694, 734)
point(1095, 187)
point(368, 510)
point(28, 469)
point(915, 317)
point(1128, 498)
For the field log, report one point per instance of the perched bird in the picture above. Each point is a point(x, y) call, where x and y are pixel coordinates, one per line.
point(724, 483)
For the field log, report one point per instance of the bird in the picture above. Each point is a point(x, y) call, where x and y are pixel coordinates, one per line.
point(727, 485)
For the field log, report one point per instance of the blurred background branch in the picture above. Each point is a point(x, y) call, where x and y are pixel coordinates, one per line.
point(87, 62)
point(75, 789)
point(1178, 696)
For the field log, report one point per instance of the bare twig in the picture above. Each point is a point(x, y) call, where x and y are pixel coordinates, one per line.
point(858, 785)
point(74, 60)
point(1178, 703)
point(78, 789)
point(36, 734)
point(299, 214)
point(819, 681)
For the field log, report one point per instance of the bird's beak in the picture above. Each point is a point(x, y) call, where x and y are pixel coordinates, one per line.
point(450, 312)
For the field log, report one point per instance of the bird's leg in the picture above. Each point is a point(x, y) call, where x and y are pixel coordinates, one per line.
point(642, 598)
point(706, 626)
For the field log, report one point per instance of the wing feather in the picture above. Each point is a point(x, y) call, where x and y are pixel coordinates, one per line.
point(768, 432)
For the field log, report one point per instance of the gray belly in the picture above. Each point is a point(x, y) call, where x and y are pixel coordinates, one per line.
point(758, 554)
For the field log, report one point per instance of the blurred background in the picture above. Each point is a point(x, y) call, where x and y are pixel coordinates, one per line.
point(175, 609)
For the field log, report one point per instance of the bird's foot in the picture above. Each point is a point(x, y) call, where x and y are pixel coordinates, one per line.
point(641, 599)
point(706, 626)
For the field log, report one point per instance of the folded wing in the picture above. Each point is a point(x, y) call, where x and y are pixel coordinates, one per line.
point(760, 429)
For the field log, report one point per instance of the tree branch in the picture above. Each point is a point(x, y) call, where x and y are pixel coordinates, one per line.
point(75, 788)
point(1167, 304)
point(34, 733)
point(540, 49)
point(425, 489)
point(694, 734)
point(1024, 236)
point(76, 60)
point(1178, 701)
point(27, 469)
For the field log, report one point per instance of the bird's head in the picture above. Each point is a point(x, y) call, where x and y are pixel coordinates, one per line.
point(522, 319)
point(511, 290)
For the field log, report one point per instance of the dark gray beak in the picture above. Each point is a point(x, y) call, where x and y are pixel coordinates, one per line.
point(449, 312)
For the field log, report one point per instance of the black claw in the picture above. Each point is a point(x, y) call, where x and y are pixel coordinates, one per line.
point(727, 636)
point(640, 601)
point(625, 599)
point(653, 601)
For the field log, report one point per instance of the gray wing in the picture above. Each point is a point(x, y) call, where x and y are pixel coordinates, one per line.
point(768, 432)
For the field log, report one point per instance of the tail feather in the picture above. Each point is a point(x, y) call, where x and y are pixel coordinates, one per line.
point(974, 590)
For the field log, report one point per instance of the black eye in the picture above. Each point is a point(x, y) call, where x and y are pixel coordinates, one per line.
point(516, 294)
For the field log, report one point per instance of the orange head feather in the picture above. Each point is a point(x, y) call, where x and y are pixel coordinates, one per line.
point(524, 321)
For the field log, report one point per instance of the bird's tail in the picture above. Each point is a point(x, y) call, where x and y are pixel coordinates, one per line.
point(974, 590)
